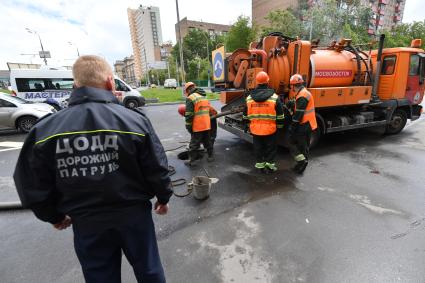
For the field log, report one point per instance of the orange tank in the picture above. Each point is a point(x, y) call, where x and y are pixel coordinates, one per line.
point(330, 68)
point(278, 70)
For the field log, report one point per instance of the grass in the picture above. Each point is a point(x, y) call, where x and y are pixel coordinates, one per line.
point(169, 95)
point(5, 90)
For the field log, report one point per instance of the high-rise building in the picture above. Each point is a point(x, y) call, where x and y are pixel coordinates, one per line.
point(386, 13)
point(261, 8)
point(212, 29)
point(146, 37)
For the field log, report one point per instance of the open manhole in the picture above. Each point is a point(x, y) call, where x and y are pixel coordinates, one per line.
point(184, 155)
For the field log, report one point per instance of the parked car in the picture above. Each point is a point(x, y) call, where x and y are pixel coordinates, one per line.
point(21, 114)
point(170, 83)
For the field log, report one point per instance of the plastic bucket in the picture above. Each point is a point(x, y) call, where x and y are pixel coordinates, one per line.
point(201, 187)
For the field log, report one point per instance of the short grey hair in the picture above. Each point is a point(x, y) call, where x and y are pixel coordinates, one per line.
point(91, 70)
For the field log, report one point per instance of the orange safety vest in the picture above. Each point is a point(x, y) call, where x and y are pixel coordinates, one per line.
point(262, 115)
point(201, 119)
point(309, 114)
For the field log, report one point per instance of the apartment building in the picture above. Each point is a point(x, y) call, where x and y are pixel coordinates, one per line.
point(386, 13)
point(146, 37)
point(125, 69)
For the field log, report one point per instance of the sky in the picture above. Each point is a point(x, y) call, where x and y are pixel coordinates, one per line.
point(100, 27)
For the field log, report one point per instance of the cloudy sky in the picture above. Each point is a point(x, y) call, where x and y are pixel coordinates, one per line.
point(101, 26)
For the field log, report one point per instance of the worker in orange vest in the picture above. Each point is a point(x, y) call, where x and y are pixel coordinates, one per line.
point(303, 123)
point(198, 122)
point(264, 110)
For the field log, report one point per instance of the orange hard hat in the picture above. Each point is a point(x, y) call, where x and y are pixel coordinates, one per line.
point(188, 85)
point(181, 109)
point(296, 79)
point(262, 78)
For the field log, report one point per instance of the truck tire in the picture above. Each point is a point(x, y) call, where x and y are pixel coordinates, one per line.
point(25, 123)
point(131, 103)
point(397, 122)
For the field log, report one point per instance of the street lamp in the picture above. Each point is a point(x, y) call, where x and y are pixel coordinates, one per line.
point(42, 48)
point(71, 43)
point(29, 54)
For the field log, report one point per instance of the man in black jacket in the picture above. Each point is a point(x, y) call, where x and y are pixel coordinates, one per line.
point(97, 164)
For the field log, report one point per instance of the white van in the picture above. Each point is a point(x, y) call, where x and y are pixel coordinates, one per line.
point(54, 86)
point(170, 83)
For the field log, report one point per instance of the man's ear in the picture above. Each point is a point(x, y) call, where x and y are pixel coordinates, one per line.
point(110, 83)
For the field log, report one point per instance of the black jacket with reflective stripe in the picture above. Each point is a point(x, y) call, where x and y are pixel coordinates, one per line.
point(94, 156)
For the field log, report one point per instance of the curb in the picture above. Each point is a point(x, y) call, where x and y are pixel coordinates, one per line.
point(171, 103)
point(10, 205)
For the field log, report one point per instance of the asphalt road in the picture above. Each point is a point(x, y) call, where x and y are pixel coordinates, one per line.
point(356, 215)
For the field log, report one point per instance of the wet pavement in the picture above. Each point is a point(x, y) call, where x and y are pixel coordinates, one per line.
point(356, 215)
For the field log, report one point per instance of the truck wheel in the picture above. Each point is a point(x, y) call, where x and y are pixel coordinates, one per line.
point(397, 122)
point(26, 123)
point(131, 104)
point(315, 137)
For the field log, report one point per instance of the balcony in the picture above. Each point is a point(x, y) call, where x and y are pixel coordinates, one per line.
point(379, 22)
point(371, 31)
point(381, 12)
point(397, 8)
point(396, 19)
point(383, 2)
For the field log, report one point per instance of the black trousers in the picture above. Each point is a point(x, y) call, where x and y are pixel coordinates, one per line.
point(213, 132)
point(265, 148)
point(99, 243)
point(196, 140)
point(300, 141)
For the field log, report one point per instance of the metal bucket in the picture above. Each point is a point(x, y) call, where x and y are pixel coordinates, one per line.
point(201, 187)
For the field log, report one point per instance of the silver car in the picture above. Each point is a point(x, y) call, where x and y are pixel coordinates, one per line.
point(21, 114)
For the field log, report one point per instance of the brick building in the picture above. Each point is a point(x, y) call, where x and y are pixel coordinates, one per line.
point(212, 29)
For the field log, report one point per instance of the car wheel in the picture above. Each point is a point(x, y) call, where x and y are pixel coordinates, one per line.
point(397, 122)
point(26, 123)
point(57, 107)
point(131, 104)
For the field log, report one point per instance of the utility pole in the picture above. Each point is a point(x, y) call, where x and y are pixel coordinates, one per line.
point(147, 68)
point(180, 48)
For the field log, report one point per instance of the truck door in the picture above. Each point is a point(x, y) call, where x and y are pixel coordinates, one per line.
point(415, 84)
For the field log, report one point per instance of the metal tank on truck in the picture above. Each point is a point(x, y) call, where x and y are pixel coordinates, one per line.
point(352, 88)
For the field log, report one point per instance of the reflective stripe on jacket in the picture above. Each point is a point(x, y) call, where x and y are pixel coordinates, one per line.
point(201, 119)
point(262, 115)
point(309, 113)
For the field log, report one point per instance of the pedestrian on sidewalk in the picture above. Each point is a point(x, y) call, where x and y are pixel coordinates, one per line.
point(264, 111)
point(198, 122)
point(96, 165)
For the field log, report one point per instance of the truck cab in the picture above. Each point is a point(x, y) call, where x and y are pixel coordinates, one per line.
point(402, 77)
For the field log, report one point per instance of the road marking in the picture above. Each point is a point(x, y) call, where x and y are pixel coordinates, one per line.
point(11, 144)
point(8, 149)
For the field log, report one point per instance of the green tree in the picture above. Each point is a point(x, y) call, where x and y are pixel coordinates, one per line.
point(334, 19)
point(283, 21)
point(241, 34)
point(403, 34)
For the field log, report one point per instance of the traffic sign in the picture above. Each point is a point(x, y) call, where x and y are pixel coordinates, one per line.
point(44, 54)
point(218, 64)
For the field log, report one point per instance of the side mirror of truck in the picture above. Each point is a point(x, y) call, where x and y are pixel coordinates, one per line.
point(422, 69)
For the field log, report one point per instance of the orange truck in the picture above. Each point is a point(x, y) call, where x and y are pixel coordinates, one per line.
point(352, 88)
